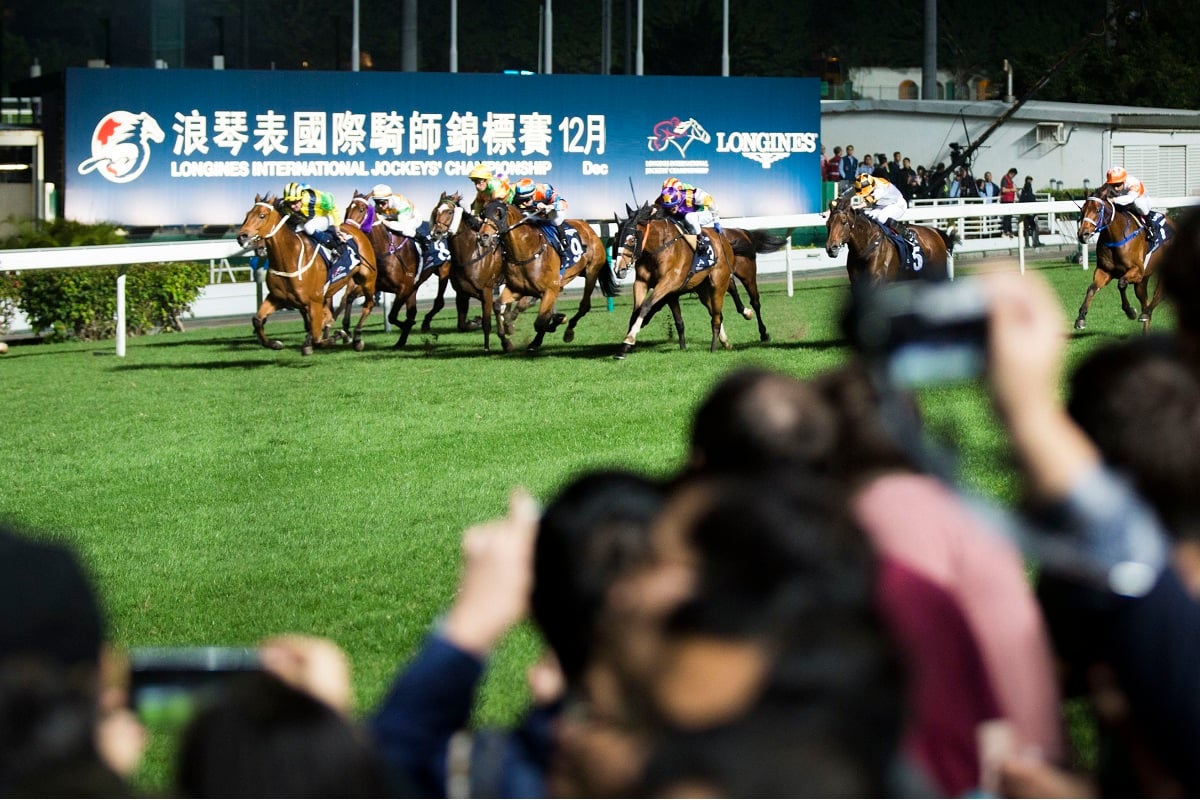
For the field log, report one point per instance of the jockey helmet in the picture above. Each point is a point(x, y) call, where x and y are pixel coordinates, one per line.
point(670, 198)
point(864, 182)
point(293, 192)
point(381, 191)
point(480, 173)
point(672, 183)
point(1116, 175)
point(524, 189)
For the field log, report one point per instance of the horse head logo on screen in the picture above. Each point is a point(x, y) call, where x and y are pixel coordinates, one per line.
point(680, 133)
point(121, 146)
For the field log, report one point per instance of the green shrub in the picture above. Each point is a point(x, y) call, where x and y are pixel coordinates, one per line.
point(10, 288)
point(82, 303)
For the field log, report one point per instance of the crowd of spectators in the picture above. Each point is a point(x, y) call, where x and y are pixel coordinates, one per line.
point(806, 608)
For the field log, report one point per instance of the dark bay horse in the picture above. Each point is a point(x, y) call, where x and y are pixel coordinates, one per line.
point(532, 268)
point(746, 246)
point(295, 277)
point(397, 259)
point(873, 257)
point(662, 259)
point(1123, 253)
point(475, 263)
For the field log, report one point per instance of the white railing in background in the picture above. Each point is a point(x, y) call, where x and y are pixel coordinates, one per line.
point(972, 218)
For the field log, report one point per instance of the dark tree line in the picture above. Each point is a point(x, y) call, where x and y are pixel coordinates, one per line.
point(1137, 56)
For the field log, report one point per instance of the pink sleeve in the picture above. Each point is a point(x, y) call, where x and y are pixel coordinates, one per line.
point(922, 524)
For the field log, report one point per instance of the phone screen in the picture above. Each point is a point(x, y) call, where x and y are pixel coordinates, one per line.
point(168, 684)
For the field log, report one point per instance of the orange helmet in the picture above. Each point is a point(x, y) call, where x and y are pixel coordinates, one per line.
point(1116, 175)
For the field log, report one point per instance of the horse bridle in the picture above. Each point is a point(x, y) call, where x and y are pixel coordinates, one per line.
point(639, 248)
point(1103, 219)
point(851, 217)
point(485, 243)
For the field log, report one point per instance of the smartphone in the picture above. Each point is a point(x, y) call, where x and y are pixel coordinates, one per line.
point(168, 684)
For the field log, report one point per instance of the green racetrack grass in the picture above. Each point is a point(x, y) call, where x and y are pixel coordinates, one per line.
point(221, 492)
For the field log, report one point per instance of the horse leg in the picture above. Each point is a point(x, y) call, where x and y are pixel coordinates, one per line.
point(439, 303)
point(1122, 286)
point(368, 307)
point(751, 284)
point(737, 301)
point(547, 320)
point(713, 299)
point(502, 330)
point(673, 304)
point(313, 315)
point(410, 319)
point(265, 310)
point(1100, 279)
point(643, 301)
point(585, 305)
point(485, 299)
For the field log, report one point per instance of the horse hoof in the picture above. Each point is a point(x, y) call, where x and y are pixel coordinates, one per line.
point(508, 346)
point(1143, 318)
point(569, 335)
point(359, 345)
point(748, 313)
point(1131, 314)
point(426, 327)
point(624, 351)
point(1080, 324)
point(558, 319)
point(306, 350)
point(471, 325)
point(766, 337)
point(275, 344)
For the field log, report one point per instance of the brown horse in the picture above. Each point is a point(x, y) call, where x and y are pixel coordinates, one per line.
point(296, 276)
point(532, 268)
point(746, 246)
point(475, 263)
point(1122, 252)
point(398, 262)
point(873, 257)
point(662, 258)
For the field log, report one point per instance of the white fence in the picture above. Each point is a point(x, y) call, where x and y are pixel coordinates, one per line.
point(977, 222)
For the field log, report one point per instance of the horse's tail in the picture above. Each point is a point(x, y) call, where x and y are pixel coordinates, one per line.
point(608, 280)
point(764, 242)
point(950, 238)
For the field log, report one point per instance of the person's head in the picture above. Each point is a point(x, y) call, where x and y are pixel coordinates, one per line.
point(1012, 172)
point(868, 160)
point(381, 193)
point(907, 163)
point(523, 191)
point(1181, 283)
point(293, 193)
point(594, 529)
point(849, 149)
point(51, 637)
point(837, 151)
point(1116, 177)
point(864, 445)
point(480, 176)
point(1028, 180)
point(987, 176)
point(261, 738)
point(1140, 404)
point(670, 198)
point(865, 183)
point(755, 417)
point(673, 183)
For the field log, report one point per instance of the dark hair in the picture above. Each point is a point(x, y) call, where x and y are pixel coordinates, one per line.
point(755, 418)
point(594, 529)
point(780, 562)
point(261, 738)
point(1140, 404)
point(47, 733)
point(1181, 279)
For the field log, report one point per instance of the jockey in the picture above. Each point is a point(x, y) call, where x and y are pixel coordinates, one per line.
point(882, 200)
point(547, 206)
point(695, 208)
point(397, 214)
point(489, 186)
point(319, 213)
point(1127, 191)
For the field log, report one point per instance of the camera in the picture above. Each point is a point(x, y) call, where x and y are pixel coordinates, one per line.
point(168, 684)
point(920, 333)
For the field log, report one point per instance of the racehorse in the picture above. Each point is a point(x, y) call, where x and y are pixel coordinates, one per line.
point(397, 258)
point(296, 277)
point(746, 245)
point(1122, 252)
point(662, 257)
point(532, 268)
point(475, 263)
point(873, 257)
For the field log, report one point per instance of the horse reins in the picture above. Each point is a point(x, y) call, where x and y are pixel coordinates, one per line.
point(283, 221)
